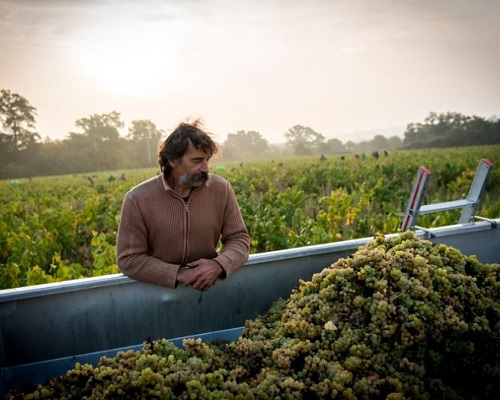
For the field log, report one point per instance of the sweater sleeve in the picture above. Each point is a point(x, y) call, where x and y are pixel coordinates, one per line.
point(132, 249)
point(234, 236)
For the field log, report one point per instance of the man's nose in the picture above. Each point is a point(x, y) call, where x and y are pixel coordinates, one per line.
point(204, 166)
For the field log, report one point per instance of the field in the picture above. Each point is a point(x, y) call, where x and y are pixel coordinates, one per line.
point(64, 227)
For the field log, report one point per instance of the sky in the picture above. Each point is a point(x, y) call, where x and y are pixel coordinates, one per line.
point(345, 68)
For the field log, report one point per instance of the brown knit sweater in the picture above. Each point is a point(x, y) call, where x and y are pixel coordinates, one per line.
point(159, 230)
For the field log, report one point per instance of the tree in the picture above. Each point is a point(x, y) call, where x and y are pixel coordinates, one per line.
point(101, 127)
point(394, 142)
point(146, 136)
point(17, 117)
point(451, 129)
point(379, 142)
point(304, 140)
point(100, 139)
point(335, 146)
point(350, 146)
point(244, 145)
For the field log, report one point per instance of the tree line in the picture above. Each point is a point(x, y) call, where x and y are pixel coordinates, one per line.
point(98, 146)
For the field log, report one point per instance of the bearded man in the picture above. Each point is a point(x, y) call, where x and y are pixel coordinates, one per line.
point(171, 225)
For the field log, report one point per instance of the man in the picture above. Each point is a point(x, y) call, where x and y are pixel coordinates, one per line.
point(171, 224)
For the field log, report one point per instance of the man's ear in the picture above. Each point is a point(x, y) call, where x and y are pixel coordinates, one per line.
point(173, 163)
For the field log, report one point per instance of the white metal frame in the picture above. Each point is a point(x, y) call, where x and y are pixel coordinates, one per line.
point(468, 205)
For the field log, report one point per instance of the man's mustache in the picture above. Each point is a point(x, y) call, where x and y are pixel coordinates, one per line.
point(194, 178)
point(200, 177)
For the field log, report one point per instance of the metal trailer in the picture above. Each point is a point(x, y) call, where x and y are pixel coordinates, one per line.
point(46, 329)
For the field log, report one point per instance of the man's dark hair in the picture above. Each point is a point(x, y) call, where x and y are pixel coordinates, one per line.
point(177, 143)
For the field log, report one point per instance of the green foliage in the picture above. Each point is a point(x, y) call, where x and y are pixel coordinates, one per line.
point(304, 201)
point(244, 145)
point(145, 136)
point(18, 140)
point(451, 129)
point(399, 319)
point(58, 228)
point(103, 255)
point(304, 140)
point(17, 118)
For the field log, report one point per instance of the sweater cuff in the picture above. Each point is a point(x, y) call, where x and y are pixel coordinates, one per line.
point(223, 273)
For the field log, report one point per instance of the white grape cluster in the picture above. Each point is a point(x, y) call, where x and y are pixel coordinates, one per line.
point(399, 319)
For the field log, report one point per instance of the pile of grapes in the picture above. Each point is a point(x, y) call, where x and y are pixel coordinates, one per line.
point(402, 318)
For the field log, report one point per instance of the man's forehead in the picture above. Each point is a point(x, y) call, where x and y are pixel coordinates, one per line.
point(193, 152)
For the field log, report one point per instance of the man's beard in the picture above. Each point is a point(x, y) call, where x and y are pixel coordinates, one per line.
point(193, 179)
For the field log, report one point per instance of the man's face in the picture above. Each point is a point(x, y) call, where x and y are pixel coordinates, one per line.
point(192, 169)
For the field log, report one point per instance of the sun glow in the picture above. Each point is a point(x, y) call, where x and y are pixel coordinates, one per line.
point(124, 59)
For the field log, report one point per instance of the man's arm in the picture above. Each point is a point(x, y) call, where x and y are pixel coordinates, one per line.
point(132, 249)
point(234, 236)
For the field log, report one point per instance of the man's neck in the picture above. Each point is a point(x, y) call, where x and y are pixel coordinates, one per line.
point(183, 191)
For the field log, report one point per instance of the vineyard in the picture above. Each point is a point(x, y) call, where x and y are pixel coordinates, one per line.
point(61, 228)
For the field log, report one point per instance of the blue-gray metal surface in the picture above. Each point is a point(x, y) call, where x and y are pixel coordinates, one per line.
point(45, 329)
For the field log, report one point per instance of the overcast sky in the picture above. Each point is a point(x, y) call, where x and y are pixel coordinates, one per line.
point(339, 67)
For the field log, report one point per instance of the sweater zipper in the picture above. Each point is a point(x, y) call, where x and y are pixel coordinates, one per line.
point(186, 208)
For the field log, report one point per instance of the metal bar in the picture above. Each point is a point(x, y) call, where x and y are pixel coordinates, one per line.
point(416, 197)
point(468, 205)
point(447, 205)
point(476, 191)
